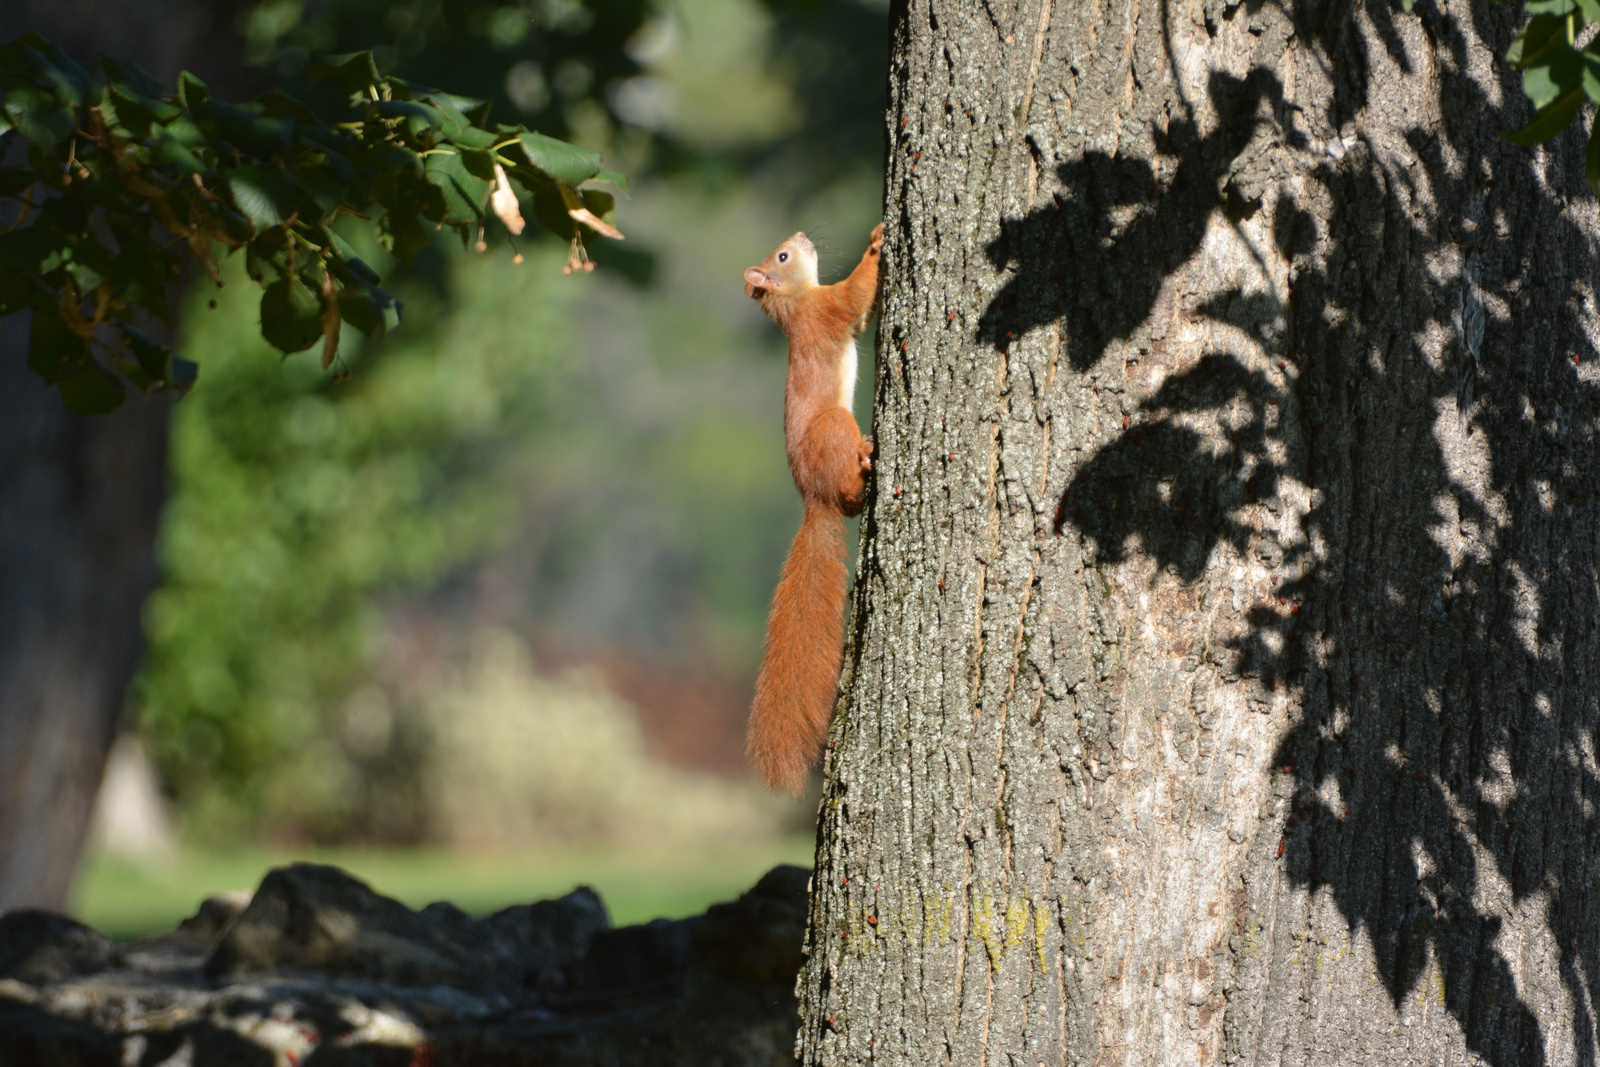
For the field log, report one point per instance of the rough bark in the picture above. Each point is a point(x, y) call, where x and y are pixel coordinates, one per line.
point(1219, 685)
point(79, 499)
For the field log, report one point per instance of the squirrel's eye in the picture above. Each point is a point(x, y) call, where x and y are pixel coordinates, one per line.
point(783, 257)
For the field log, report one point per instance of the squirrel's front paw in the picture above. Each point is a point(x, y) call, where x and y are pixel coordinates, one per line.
point(876, 244)
point(869, 448)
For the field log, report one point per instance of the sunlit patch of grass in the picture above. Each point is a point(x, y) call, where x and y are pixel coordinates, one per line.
point(127, 899)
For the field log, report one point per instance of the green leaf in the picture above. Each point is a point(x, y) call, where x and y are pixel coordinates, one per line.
point(479, 163)
point(1551, 7)
point(182, 126)
point(84, 276)
point(62, 358)
point(400, 109)
point(266, 259)
point(192, 92)
point(463, 193)
point(291, 315)
point(129, 369)
point(1557, 73)
point(551, 211)
point(266, 195)
point(1591, 158)
point(1542, 33)
point(326, 188)
point(1548, 120)
point(141, 271)
point(91, 391)
point(279, 104)
point(602, 204)
point(474, 110)
point(1591, 75)
point(562, 161)
point(53, 349)
point(151, 355)
point(466, 109)
point(403, 234)
point(168, 151)
point(125, 114)
point(44, 62)
point(38, 116)
point(352, 72)
point(132, 78)
point(619, 180)
point(370, 309)
point(351, 259)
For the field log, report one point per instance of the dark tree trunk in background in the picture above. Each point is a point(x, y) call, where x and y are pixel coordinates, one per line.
point(79, 500)
point(1220, 685)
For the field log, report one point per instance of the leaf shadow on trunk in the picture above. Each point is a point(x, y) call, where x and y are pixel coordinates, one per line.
point(1445, 753)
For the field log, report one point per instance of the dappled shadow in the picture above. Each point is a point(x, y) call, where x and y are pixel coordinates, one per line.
point(1078, 259)
point(1437, 610)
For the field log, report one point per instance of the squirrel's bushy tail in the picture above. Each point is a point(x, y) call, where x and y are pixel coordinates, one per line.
point(799, 674)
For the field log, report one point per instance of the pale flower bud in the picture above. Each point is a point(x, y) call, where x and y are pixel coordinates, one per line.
point(504, 201)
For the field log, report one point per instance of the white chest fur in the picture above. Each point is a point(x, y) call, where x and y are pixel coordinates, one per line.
point(847, 375)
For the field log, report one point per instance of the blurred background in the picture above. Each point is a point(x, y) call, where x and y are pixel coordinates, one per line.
point(481, 622)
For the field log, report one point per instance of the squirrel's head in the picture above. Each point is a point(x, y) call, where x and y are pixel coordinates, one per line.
point(791, 268)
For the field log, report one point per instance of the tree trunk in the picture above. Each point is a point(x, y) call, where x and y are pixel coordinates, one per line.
point(1219, 680)
point(79, 500)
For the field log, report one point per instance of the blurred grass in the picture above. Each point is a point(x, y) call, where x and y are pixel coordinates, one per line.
point(128, 899)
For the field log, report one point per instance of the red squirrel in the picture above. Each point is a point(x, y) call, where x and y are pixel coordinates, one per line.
point(829, 459)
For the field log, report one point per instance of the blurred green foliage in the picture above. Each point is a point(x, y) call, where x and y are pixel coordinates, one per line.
point(298, 501)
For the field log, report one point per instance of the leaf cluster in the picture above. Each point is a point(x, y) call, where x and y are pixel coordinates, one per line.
point(108, 184)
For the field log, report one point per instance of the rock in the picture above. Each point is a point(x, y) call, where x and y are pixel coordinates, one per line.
point(40, 947)
point(319, 969)
point(192, 941)
point(308, 917)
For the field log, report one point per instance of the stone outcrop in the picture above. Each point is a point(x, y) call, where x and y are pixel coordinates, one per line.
point(316, 968)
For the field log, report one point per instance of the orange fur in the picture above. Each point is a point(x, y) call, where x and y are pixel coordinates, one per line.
point(829, 459)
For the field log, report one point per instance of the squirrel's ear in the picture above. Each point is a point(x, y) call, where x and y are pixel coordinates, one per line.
point(756, 279)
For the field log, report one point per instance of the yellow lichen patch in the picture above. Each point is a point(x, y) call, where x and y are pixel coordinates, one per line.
point(938, 918)
point(1041, 934)
point(1252, 940)
point(987, 929)
point(1016, 922)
